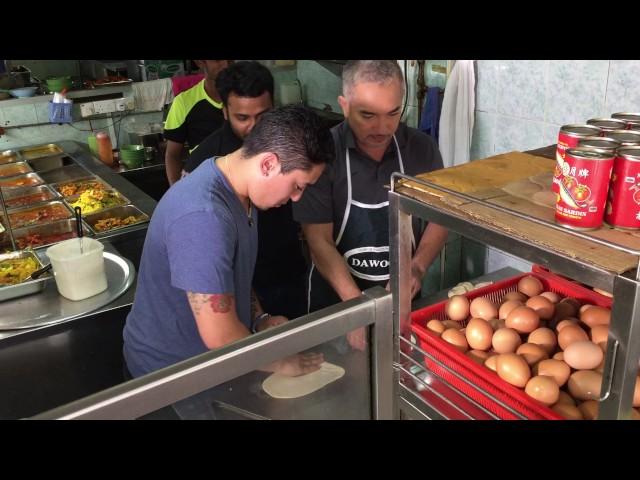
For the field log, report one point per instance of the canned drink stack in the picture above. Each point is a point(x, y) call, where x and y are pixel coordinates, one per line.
point(623, 200)
point(583, 188)
point(607, 124)
point(568, 137)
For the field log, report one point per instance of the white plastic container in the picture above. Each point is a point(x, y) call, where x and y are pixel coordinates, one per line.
point(78, 275)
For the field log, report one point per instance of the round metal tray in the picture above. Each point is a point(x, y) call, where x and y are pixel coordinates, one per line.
point(50, 307)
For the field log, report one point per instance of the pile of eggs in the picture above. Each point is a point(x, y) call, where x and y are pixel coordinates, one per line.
point(552, 347)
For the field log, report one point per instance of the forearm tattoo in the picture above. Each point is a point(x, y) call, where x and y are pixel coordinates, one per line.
point(219, 303)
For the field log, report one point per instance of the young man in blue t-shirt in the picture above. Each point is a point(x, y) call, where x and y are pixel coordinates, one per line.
point(194, 285)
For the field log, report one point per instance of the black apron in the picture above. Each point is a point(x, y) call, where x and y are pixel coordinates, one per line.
point(363, 241)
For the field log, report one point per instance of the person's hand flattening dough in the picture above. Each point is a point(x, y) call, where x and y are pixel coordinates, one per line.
point(300, 364)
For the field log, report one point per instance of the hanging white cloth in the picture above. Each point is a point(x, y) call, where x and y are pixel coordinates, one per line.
point(152, 95)
point(457, 116)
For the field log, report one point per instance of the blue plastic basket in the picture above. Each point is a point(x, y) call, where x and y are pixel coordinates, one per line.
point(60, 112)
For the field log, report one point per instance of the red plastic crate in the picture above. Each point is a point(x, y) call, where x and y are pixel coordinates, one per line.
point(508, 402)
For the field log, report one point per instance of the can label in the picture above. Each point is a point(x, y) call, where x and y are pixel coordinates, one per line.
point(582, 189)
point(623, 201)
point(565, 142)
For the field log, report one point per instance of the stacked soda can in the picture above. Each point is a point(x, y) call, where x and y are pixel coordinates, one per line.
point(599, 177)
point(569, 137)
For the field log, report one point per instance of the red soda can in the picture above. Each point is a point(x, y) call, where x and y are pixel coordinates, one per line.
point(607, 124)
point(632, 119)
point(625, 138)
point(568, 138)
point(623, 201)
point(583, 188)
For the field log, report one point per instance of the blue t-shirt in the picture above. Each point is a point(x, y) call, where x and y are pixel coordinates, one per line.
point(199, 240)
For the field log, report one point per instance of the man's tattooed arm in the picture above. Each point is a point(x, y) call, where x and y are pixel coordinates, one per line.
point(219, 303)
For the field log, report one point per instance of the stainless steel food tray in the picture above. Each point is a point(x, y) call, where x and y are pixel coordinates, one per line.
point(26, 168)
point(40, 151)
point(52, 162)
point(121, 211)
point(37, 180)
point(54, 228)
point(71, 199)
point(25, 288)
point(38, 206)
point(65, 174)
point(9, 156)
point(19, 192)
point(56, 186)
point(49, 307)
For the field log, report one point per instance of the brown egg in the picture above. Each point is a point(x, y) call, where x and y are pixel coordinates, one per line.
point(585, 385)
point(583, 355)
point(600, 367)
point(505, 340)
point(552, 296)
point(542, 306)
point(530, 286)
point(532, 353)
point(589, 409)
point(596, 316)
point(451, 324)
point(523, 320)
point(496, 323)
point(458, 308)
point(479, 334)
point(545, 338)
point(543, 389)
point(635, 415)
point(566, 308)
point(599, 334)
point(636, 393)
point(491, 362)
point(556, 369)
point(484, 308)
point(558, 356)
point(517, 296)
point(563, 323)
point(584, 307)
point(477, 356)
point(571, 334)
point(513, 369)
point(436, 326)
point(455, 338)
point(570, 412)
point(506, 307)
point(566, 398)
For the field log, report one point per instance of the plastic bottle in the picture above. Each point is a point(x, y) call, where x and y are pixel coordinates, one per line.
point(105, 150)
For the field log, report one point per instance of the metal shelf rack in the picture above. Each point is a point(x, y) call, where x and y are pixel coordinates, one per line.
point(425, 395)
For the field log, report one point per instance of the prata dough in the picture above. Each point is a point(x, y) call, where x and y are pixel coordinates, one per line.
point(281, 386)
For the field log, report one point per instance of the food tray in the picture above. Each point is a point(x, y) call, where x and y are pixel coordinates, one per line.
point(65, 174)
point(26, 180)
point(49, 307)
point(121, 200)
point(40, 151)
point(15, 197)
point(80, 183)
point(25, 288)
point(60, 227)
point(8, 156)
point(55, 203)
point(118, 212)
point(49, 163)
point(15, 168)
point(507, 398)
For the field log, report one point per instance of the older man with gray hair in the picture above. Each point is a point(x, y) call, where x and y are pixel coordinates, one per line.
point(344, 216)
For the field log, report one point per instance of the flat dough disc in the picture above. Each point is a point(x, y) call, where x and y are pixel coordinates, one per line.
point(280, 386)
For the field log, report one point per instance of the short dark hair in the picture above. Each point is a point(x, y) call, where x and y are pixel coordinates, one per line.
point(296, 134)
point(246, 78)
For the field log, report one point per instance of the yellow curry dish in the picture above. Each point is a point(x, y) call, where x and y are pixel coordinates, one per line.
point(16, 270)
point(93, 200)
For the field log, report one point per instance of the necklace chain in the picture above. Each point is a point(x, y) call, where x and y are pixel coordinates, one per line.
point(226, 166)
